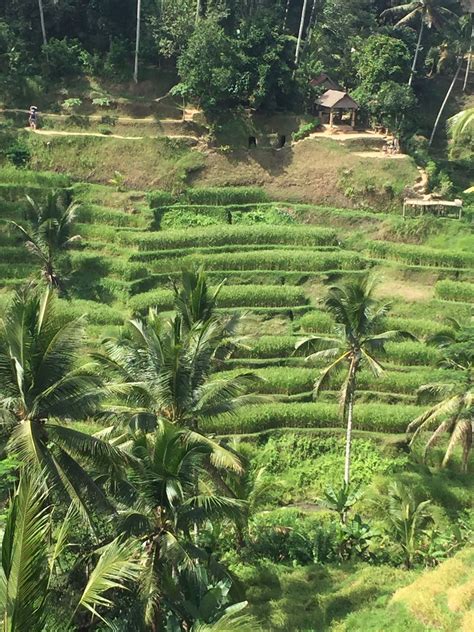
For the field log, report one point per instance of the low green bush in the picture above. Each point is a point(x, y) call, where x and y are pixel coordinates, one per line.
point(372, 417)
point(223, 196)
point(421, 255)
point(306, 129)
point(455, 291)
point(235, 235)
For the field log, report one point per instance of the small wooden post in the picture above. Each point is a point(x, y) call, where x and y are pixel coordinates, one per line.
point(353, 119)
point(331, 117)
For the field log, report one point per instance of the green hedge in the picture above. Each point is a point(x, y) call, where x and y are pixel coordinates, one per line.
point(268, 260)
point(231, 235)
point(421, 255)
point(373, 417)
point(158, 198)
point(223, 196)
point(229, 296)
point(455, 291)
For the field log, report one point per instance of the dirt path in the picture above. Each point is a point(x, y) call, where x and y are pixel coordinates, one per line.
point(379, 155)
point(53, 132)
point(98, 117)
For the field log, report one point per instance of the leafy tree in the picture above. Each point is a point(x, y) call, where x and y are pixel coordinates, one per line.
point(391, 104)
point(430, 13)
point(381, 58)
point(358, 315)
point(31, 554)
point(49, 233)
point(45, 381)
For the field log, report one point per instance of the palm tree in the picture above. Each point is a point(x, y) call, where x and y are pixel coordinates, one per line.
point(49, 234)
point(358, 315)
point(430, 13)
point(45, 382)
point(31, 550)
point(173, 493)
point(43, 28)
point(137, 41)
point(300, 31)
point(454, 414)
point(461, 123)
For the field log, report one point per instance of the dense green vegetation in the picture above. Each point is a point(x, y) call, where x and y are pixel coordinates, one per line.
point(236, 385)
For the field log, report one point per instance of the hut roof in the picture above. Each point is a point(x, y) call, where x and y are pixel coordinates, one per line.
point(337, 99)
point(325, 81)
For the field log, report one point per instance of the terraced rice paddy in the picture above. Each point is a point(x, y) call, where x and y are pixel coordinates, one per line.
point(277, 260)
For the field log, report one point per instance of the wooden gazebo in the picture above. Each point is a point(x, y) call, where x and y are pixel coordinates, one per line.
point(333, 101)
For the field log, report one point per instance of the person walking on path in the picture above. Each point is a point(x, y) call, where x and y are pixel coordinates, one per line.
point(33, 118)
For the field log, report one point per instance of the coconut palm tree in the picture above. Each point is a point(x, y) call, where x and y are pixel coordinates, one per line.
point(454, 414)
point(43, 28)
point(31, 552)
point(430, 13)
point(300, 31)
point(173, 493)
point(46, 382)
point(49, 233)
point(137, 40)
point(358, 315)
point(461, 123)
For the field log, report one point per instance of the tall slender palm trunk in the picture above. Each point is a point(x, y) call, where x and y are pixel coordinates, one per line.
point(417, 50)
point(349, 405)
point(445, 100)
point(198, 11)
point(137, 41)
point(300, 32)
point(43, 28)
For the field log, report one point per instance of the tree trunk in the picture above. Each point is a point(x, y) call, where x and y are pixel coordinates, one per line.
point(137, 41)
point(43, 28)
point(469, 57)
point(286, 13)
point(300, 32)
point(443, 105)
point(351, 386)
point(418, 44)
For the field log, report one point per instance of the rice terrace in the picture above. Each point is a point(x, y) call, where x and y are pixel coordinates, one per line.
point(236, 316)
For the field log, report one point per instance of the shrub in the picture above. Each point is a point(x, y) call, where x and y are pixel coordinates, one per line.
point(64, 58)
point(104, 129)
point(223, 196)
point(102, 102)
point(455, 291)
point(19, 154)
point(117, 59)
point(372, 417)
point(71, 104)
point(306, 129)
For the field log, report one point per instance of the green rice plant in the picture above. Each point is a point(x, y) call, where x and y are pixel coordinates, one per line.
point(316, 322)
point(223, 196)
point(235, 235)
point(412, 353)
point(93, 213)
point(290, 259)
point(268, 347)
point(455, 291)
point(421, 255)
point(229, 296)
point(371, 417)
point(158, 199)
point(187, 217)
point(419, 327)
point(26, 177)
point(95, 313)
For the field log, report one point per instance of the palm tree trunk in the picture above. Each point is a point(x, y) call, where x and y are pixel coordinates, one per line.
point(443, 105)
point(468, 67)
point(351, 386)
point(286, 14)
point(418, 45)
point(137, 41)
point(198, 11)
point(300, 32)
point(43, 28)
